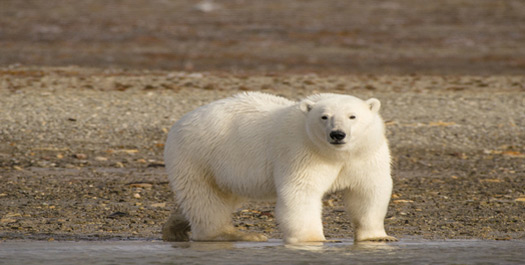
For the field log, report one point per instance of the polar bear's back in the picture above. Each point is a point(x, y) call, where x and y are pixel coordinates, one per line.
point(258, 102)
point(239, 111)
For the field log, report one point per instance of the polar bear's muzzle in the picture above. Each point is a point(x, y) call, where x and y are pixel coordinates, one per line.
point(337, 137)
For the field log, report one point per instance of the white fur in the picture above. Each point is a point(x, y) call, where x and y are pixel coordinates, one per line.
point(259, 146)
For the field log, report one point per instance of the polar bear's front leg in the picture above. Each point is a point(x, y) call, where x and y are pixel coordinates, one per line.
point(299, 216)
point(367, 206)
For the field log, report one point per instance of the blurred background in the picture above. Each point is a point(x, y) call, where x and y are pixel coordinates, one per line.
point(272, 36)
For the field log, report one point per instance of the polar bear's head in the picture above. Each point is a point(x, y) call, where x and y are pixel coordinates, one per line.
point(341, 122)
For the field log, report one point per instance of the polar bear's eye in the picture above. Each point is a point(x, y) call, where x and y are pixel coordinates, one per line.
point(352, 117)
point(324, 117)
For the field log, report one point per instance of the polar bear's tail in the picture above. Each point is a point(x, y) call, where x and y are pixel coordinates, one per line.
point(176, 228)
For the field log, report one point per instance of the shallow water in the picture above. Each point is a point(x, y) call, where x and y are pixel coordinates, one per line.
point(272, 252)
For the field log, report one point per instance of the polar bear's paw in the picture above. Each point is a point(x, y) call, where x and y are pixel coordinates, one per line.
point(234, 236)
point(380, 239)
point(250, 237)
point(176, 228)
point(242, 236)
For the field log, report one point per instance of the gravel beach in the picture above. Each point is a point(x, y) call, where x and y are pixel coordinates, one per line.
point(81, 150)
point(89, 90)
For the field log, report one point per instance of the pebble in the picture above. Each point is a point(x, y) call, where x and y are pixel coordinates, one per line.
point(141, 185)
point(117, 215)
point(80, 156)
point(402, 201)
point(7, 220)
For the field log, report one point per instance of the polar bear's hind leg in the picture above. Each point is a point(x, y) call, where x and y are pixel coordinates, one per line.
point(209, 210)
point(176, 228)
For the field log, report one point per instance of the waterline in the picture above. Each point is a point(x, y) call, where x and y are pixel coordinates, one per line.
point(272, 252)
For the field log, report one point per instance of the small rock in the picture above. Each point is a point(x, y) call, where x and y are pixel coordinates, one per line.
point(196, 75)
point(141, 185)
point(136, 195)
point(101, 158)
point(116, 215)
point(158, 205)
point(156, 164)
point(491, 180)
point(130, 151)
point(9, 215)
point(209, 87)
point(402, 201)
point(267, 214)
point(206, 7)
point(80, 156)
point(7, 221)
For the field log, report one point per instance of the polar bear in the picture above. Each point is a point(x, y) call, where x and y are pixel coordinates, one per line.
point(262, 147)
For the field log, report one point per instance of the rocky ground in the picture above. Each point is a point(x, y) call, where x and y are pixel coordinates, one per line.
point(81, 150)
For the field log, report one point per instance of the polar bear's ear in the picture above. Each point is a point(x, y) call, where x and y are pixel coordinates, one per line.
point(374, 104)
point(306, 105)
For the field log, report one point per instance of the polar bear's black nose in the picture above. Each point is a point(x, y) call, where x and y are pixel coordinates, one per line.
point(337, 135)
